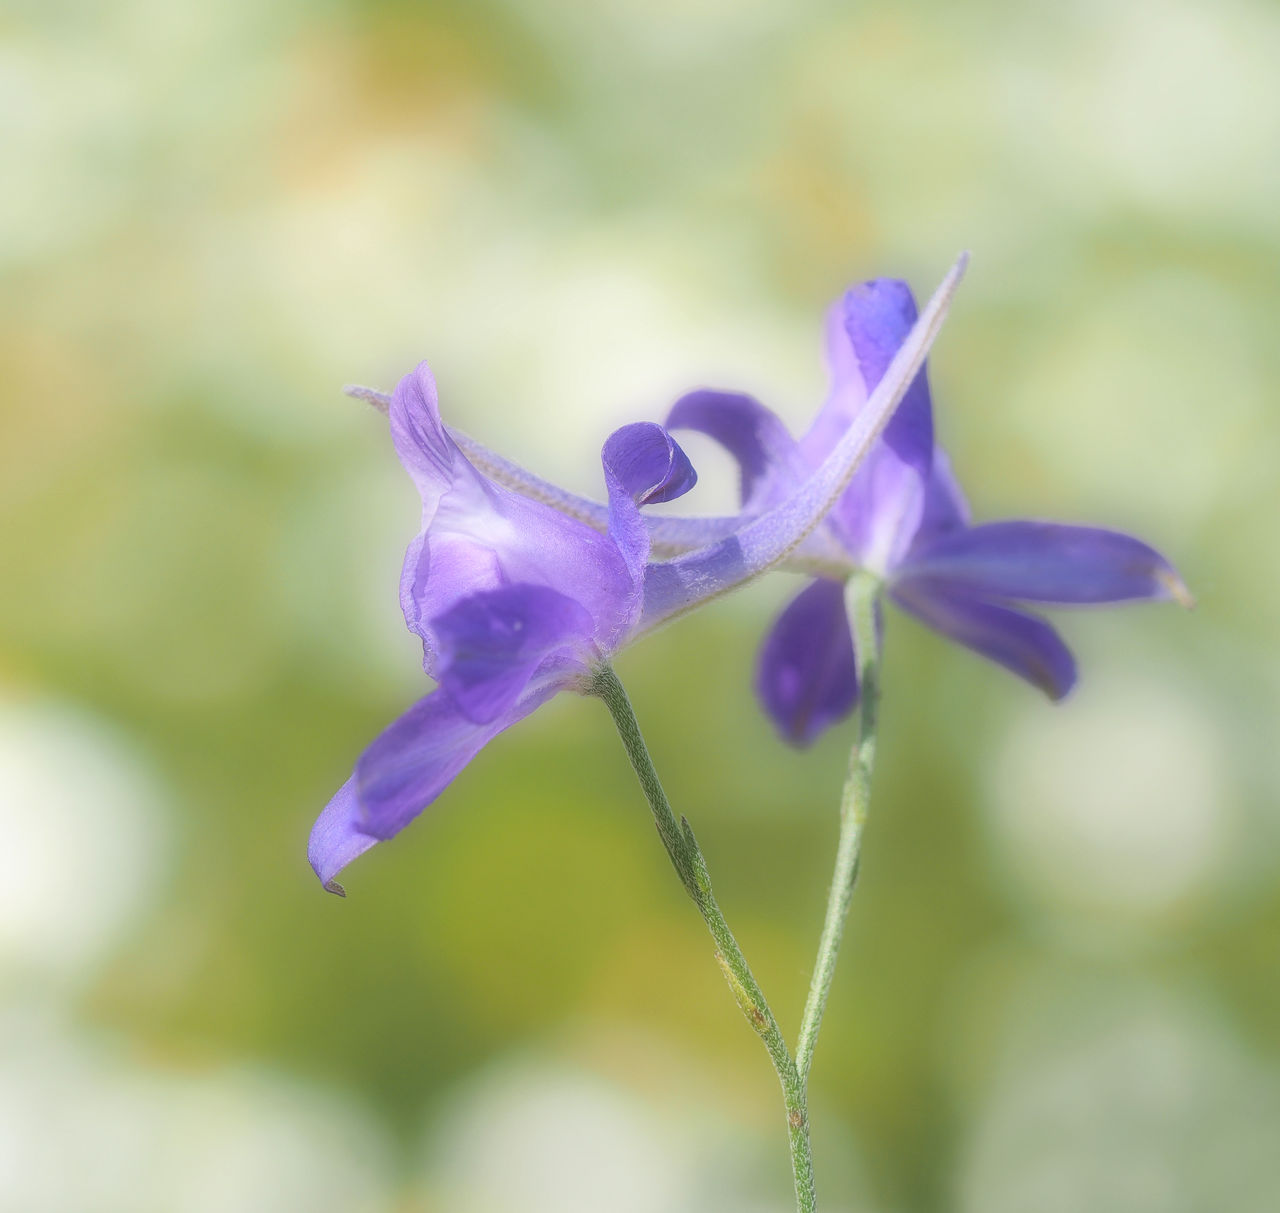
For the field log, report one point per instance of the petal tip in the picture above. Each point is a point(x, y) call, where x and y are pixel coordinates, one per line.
point(379, 400)
point(1176, 588)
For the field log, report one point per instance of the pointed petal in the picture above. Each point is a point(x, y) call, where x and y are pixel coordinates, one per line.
point(767, 455)
point(1047, 562)
point(336, 838)
point(491, 643)
point(676, 586)
point(1019, 641)
point(807, 677)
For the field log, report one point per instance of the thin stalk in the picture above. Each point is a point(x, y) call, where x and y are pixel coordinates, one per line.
point(860, 598)
point(691, 867)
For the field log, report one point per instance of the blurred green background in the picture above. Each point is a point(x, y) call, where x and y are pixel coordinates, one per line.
point(1060, 989)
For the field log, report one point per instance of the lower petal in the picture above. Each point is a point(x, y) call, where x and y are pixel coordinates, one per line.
point(1019, 641)
point(807, 677)
point(413, 760)
point(336, 838)
point(408, 765)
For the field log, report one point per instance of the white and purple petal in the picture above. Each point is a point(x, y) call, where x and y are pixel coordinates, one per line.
point(477, 535)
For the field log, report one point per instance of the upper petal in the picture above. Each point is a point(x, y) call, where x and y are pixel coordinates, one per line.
point(1017, 640)
point(807, 676)
point(760, 543)
point(1046, 562)
point(865, 328)
point(477, 535)
point(882, 509)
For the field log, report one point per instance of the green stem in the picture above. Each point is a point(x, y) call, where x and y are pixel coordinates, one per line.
point(691, 867)
point(860, 597)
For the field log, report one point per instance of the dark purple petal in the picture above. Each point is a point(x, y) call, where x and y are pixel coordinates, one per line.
point(754, 435)
point(413, 760)
point(1047, 562)
point(336, 838)
point(884, 506)
point(491, 643)
point(807, 677)
point(675, 586)
point(865, 328)
point(878, 315)
point(1019, 641)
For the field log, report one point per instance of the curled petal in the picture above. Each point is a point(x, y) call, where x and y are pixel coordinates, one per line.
point(673, 587)
point(642, 463)
point(1015, 639)
point(1047, 562)
point(754, 435)
point(807, 677)
point(491, 644)
point(646, 464)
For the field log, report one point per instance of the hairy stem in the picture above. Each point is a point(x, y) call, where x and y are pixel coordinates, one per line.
point(691, 867)
point(860, 597)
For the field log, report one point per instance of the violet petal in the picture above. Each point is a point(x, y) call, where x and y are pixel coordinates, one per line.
point(807, 676)
point(491, 643)
point(1046, 562)
point(415, 758)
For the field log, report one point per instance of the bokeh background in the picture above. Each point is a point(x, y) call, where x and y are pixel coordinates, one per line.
point(1060, 989)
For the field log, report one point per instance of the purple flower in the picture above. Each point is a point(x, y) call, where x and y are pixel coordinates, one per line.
point(904, 518)
point(518, 595)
